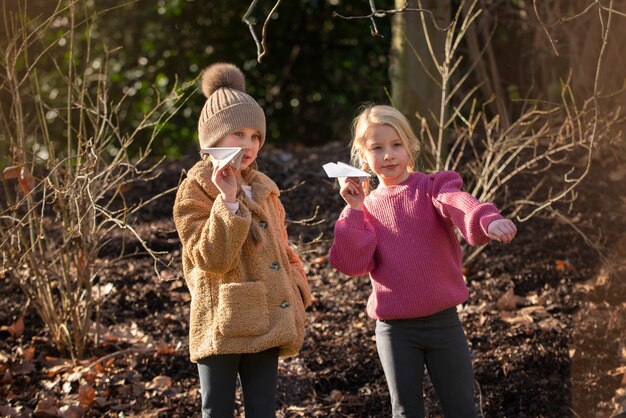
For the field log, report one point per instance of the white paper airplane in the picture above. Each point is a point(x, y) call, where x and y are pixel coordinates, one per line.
point(343, 170)
point(224, 155)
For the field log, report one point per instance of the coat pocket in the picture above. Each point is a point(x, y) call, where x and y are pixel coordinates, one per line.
point(242, 309)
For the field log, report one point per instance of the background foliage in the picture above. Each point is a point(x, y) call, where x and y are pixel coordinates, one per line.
point(341, 63)
point(319, 69)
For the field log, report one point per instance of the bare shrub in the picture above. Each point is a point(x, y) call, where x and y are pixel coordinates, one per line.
point(547, 138)
point(67, 164)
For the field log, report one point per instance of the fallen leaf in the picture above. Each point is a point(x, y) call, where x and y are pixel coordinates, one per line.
point(29, 353)
point(55, 361)
point(164, 349)
point(89, 377)
point(7, 411)
point(166, 275)
point(11, 172)
point(46, 408)
point(49, 384)
point(67, 387)
point(550, 324)
point(25, 367)
point(539, 311)
point(336, 395)
point(127, 333)
point(7, 378)
point(617, 174)
point(17, 328)
point(516, 319)
point(618, 371)
point(563, 265)
point(68, 411)
point(58, 369)
point(26, 181)
point(160, 382)
point(507, 368)
point(100, 368)
point(101, 401)
point(101, 291)
point(509, 301)
point(86, 395)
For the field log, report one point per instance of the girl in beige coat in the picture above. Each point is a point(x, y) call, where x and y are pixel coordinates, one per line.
point(248, 288)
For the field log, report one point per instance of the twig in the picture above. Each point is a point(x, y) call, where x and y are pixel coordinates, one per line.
point(588, 241)
point(261, 46)
point(480, 398)
point(379, 13)
point(308, 221)
point(545, 28)
point(115, 354)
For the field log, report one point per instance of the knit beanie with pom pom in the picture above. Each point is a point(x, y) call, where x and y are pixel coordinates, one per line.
point(227, 107)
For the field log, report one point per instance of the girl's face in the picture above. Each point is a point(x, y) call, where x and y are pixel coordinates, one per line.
point(247, 138)
point(385, 154)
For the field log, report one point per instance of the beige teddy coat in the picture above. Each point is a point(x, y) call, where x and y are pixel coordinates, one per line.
point(244, 298)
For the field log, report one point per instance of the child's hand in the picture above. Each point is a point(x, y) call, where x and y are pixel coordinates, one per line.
point(353, 192)
point(502, 230)
point(226, 182)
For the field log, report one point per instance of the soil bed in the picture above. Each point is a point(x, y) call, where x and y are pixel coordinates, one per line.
point(545, 318)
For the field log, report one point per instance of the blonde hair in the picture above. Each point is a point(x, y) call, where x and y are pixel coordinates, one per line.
point(372, 115)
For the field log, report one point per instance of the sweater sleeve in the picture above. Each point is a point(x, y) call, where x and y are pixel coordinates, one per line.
point(354, 245)
point(212, 235)
point(469, 215)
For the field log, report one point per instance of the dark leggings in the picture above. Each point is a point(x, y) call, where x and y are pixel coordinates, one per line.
point(258, 373)
point(438, 342)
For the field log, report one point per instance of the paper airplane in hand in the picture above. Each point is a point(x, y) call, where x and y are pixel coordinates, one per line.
point(224, 155)
point(343, 170)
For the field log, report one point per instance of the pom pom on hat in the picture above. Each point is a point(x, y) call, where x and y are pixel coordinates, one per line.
point(228, 107)
point(222, 75)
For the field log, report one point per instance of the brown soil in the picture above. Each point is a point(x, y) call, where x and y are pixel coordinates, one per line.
point(545, 319)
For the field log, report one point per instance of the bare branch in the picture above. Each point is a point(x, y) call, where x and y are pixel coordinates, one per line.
point(545, 28)
point(261, 46)
point(380, 13)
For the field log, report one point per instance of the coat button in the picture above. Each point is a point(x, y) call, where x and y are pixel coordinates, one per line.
point(263, 224)
point(275, 266)
point(284, 305)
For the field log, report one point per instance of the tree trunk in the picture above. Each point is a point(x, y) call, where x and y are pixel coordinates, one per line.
point(413, 91)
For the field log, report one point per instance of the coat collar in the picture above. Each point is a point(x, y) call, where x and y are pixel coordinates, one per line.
point(262, 185)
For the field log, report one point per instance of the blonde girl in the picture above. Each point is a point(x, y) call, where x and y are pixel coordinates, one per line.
point(402, 235)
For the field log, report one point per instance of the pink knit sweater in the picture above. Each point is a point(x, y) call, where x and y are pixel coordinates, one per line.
point(404, 238)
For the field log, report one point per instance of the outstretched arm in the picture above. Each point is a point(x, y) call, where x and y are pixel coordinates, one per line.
point(468, 214)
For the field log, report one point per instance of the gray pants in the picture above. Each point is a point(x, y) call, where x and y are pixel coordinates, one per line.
point(438, 342)
point(258, 374)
